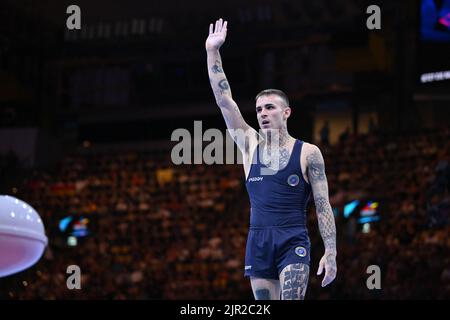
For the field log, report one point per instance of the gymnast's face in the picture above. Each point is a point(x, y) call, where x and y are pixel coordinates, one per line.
point(272, 112)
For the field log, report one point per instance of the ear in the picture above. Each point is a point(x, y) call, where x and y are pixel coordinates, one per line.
point(287, 112)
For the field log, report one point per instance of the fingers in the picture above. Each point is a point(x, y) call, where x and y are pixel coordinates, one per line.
point(217, 27)
point(329, 276)
point(326, 278)
point(326, 281)
point(220, 26)
point(319, 271)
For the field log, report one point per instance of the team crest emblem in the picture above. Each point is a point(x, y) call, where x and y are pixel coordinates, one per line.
point(293, 180)
point(300, 251)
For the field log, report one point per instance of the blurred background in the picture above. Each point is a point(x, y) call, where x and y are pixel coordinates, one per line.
point(86, 118)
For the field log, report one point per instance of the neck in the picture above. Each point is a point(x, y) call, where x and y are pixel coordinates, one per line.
point(282, 134)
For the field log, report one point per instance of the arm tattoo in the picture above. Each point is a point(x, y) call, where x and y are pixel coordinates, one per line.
point(326, 222)
point(222, 89)
point(223, 84)
point(219, 83)
point(316, 167)
point(216, 68)
point(319, 186)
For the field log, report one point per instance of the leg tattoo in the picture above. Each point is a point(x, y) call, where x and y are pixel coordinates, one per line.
point(265, 289)
point(294, 281)
point(262, 294)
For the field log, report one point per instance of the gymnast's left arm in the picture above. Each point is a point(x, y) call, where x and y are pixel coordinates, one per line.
point(325, 217)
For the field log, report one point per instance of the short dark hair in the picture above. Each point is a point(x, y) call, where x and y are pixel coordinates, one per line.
point(277, 92)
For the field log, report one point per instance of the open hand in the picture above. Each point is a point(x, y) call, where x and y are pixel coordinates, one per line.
point(328, 262)
point(217, 35)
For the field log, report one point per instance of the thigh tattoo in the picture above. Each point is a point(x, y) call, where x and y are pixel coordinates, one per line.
point(294, 281)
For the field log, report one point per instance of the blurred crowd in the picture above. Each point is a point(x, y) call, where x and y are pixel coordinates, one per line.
point(160, 231)
point(408, 175)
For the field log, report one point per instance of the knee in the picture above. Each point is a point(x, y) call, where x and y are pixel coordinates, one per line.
point(262, 294)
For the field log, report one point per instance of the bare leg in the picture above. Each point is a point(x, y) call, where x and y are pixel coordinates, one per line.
point(265, 289)
point(294, 281)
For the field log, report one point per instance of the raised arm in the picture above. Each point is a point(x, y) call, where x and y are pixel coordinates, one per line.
point(219, 83)
point(325, 217)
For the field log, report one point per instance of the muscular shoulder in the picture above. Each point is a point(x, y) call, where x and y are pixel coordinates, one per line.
point(311, 153)
point(312, 162)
